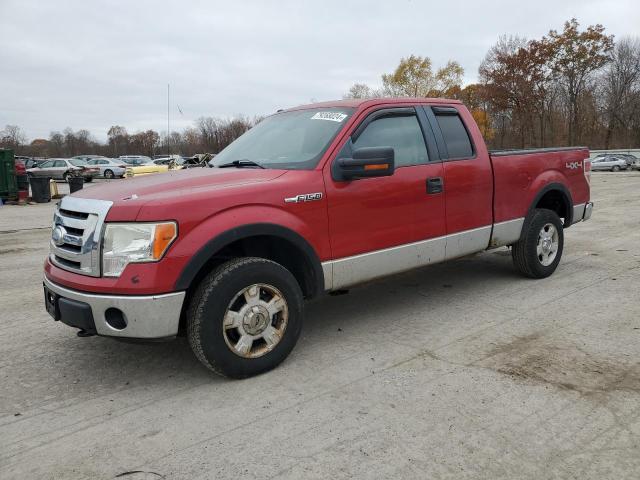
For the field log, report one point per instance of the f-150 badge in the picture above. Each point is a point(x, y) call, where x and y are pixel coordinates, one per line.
point(305, 197)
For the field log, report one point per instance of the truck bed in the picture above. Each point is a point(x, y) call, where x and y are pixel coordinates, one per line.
point(519, 175)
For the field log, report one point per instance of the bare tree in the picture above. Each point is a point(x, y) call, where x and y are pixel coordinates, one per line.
point(12, 137)
point(621, 87)
point(360, 90)
point(56, 141)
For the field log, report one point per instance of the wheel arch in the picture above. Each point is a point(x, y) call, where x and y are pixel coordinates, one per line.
point(555, 197)
point(265, 240)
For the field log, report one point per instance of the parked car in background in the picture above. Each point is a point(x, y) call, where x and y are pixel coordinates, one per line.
point(141, 165)
point(109, 168)
point(135, 159)
point(627, 157)
point(63, 168)
point(611, 163)
point(86, 157)
point(27, 162)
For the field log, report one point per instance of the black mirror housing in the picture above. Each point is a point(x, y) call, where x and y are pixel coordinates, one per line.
point(366, 162)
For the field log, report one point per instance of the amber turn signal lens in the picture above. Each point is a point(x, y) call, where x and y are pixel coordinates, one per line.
point(165, 234)
point(382, 166)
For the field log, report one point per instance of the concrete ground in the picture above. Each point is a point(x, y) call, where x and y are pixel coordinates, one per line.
point(460, 370)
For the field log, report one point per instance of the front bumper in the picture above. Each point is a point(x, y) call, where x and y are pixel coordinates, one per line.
point(148, 316)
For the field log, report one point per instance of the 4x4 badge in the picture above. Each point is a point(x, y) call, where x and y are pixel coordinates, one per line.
point(305, 197)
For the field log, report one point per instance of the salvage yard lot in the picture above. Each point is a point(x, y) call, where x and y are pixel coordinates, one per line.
point(460, 370)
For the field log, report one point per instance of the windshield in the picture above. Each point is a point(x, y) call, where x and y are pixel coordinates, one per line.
point(289, 140)
point(77, 162)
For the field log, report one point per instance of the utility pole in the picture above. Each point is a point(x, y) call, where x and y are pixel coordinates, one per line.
point(168, 124)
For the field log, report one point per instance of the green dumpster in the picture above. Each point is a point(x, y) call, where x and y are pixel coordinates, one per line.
point(8, 183)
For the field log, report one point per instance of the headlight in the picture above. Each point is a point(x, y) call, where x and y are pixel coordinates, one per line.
point(126, 243)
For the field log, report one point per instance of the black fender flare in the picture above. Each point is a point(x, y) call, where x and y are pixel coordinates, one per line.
point(209, 249)
point(565, 193)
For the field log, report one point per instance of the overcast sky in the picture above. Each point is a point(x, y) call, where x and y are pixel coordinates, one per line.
point(93, 64)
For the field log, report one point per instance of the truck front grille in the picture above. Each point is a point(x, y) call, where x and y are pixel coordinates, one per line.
point(77, 233)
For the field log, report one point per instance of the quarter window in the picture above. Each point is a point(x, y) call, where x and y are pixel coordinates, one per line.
point(455, 136)
point(403, 133)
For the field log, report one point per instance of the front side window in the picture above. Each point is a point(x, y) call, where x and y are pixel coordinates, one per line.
point(47, 164)
point(455, 136)
point(293, 140)
point(60, 163)
point(403, 133)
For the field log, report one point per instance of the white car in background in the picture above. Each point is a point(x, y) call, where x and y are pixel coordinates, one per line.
point(609, 163)
point(109, 168)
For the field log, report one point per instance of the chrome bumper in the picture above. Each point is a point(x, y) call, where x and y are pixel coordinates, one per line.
point(582, 212)
point(149, 316)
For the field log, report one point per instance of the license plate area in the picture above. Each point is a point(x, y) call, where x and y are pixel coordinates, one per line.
point(51, 303)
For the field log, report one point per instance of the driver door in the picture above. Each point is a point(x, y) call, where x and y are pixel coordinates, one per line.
point(384, 225)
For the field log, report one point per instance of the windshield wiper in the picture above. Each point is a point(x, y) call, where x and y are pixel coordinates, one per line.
point(241, 164)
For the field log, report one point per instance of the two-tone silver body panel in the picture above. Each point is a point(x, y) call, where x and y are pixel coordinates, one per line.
point(147, 316)
point(360, 268)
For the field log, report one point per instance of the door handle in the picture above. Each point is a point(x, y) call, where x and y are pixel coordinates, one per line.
point(435, 185)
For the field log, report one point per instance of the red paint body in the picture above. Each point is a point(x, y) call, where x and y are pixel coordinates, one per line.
point(353, 217)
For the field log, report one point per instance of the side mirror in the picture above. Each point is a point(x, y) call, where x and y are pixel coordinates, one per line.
point(366, 162)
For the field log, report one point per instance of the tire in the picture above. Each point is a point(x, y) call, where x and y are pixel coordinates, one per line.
point(532, 256)
point(615, 168)
point(248, 285)
point(88, 179)
point(108, 174)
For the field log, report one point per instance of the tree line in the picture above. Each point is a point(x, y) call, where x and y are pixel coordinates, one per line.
point(570, 87)
point(208, 134)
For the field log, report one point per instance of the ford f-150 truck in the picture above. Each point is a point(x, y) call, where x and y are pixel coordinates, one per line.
point(312, 199)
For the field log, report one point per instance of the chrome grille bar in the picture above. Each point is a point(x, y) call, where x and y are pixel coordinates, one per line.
point(78, 248)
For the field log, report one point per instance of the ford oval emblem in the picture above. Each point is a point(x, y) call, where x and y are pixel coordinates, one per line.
point(58, 235)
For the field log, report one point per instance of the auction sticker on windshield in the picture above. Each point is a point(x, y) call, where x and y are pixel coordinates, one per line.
point(331, 116)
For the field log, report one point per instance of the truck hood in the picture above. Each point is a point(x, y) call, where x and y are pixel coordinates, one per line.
point(130, 194)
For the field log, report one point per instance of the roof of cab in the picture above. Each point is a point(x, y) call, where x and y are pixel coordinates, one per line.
point(368, 102)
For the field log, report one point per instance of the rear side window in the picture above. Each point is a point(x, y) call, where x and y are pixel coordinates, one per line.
point(455, 136)
point(403, 133)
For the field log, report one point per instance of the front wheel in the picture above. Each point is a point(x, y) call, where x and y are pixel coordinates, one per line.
point(108, 174)
point(245, 317)
point(539, 249)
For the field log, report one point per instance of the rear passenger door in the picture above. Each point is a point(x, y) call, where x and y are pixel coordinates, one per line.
point(468, 179)
point(59, 169)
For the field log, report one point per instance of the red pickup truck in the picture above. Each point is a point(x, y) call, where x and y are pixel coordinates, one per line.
point(312, 199)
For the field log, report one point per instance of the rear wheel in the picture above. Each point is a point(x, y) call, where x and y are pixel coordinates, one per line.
point(539, 249)
point(615, 168)
point(245, 317)
point(108, 174)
